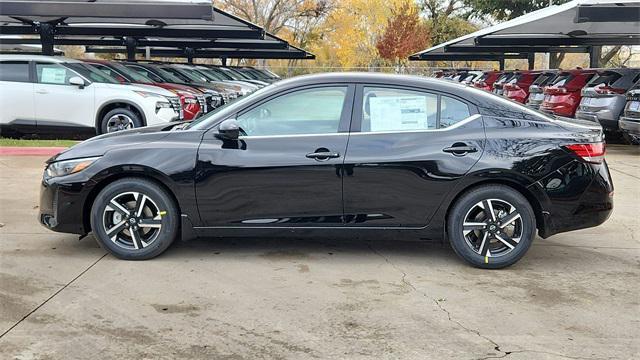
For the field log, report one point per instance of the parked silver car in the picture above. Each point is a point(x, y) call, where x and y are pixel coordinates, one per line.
point(603, 98)
point(630, 121)
point(536, 90)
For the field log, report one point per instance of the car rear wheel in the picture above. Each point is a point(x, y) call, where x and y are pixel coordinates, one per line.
point(134, 219)
point(118, 120)
point(491, 226)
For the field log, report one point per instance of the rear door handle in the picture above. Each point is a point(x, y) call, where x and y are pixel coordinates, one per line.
point(460, 150)
point(322, 155)
point(42, 91)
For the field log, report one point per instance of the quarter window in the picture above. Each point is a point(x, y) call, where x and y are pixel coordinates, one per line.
point(452, 111)
point(313, 111)
point(16, 71)
point(385, 109)
point(53, 74)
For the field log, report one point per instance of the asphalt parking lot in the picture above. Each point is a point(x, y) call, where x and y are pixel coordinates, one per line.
point(575, 295)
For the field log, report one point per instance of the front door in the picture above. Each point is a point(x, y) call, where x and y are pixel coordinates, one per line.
point(58, 103)
point(285, 170)
point(407, 150)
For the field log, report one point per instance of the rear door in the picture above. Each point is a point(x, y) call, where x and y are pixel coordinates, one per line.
point(407, 149)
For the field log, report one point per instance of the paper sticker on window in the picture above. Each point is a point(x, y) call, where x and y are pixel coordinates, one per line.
point(398, 113)
point(52, 75)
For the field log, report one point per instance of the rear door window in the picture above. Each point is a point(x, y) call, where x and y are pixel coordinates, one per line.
point(15, 71)
point(561, 80)
point(386, 109)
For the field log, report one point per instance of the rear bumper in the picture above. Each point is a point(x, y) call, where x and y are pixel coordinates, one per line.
point(579, 195)
point(604, 117)
point(630, 125)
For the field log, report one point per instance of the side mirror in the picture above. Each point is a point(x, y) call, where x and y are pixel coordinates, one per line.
point(77, 81)
point(228, 130)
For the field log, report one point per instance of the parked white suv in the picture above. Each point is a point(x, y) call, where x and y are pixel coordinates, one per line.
point(44, 94)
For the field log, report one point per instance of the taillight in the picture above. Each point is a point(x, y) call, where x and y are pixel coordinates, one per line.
point(554, 90)
point(608, 90)
point(593, 153)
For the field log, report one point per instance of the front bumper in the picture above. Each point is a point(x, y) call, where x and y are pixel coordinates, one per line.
point(62, 204)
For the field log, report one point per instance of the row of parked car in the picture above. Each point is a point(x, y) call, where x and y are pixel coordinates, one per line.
point(49, 94)
point(608, 96)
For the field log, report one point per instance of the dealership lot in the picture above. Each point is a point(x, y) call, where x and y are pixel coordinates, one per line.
point(575, 295)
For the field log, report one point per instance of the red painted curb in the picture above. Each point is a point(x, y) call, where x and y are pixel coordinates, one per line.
point(30, 151)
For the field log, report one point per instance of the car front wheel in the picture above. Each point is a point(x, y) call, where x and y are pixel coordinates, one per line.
point(118, 120)
point(491, 226)
point(134, 219)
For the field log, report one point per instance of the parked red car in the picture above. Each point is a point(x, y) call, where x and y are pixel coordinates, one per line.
point(485, 82)
point(517, 88)
point(192, 100)
point(536, 90)
point(563, 96)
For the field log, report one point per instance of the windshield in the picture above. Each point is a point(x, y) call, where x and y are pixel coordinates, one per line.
point(210, 75)
point(234, 73)
point(194, 75)
point(91, 73)
point(137, 77)
point(204, 122)
point(222, 75)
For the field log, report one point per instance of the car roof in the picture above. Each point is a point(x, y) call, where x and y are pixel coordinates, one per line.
point(25, 57)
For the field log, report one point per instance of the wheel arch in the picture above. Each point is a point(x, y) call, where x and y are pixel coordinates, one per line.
point(115, 104)
point(115, 174)
point(533, 200)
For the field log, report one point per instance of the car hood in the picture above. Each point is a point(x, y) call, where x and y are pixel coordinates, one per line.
point(142, 87)
point(99, 145)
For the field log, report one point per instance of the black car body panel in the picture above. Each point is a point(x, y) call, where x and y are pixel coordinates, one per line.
point(404, 181)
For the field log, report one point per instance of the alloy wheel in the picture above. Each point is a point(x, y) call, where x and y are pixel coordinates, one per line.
point(132, 220)
point(119, 122)
point(492, 227)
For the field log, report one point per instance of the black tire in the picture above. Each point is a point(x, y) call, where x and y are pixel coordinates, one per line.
point(125, 113)
point(630, 140)
point(470, 247)
point(123, 246)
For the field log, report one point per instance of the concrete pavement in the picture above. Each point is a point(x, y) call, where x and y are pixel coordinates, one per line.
point(575, 295)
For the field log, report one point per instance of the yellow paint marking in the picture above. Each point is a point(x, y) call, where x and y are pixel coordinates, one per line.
point(162, 213)
point(486, 259)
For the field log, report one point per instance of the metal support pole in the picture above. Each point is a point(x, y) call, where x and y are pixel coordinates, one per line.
point(531, 59)
point(46, 32)
point(189, 53)
point(131, 44)
point(501, 62)
point(595, 52)
point(223, 60)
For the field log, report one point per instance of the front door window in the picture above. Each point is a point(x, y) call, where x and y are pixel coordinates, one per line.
point(312, 111)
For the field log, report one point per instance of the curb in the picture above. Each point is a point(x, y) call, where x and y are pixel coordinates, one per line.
point(30, 151)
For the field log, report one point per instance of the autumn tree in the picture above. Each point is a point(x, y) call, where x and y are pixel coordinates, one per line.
point(404, 34)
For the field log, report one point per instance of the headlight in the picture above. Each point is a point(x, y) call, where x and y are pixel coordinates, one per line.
point(67, 167)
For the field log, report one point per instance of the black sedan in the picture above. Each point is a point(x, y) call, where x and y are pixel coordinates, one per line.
point(335, 155)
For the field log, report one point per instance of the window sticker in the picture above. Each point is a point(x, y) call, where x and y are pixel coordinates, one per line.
point(398, 113)
point(52, 75)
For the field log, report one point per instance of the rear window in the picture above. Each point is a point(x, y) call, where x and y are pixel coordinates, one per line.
point(544, 79)
point(16, 71)
point(561, 80)
point(606, 78)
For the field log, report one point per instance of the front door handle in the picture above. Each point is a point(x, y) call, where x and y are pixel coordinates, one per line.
point(42, 91)
point(460, 149)
point(323, 155)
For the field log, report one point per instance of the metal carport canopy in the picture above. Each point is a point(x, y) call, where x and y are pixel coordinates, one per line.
point(204, 53)
point(578, 22)
point(51, 20)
